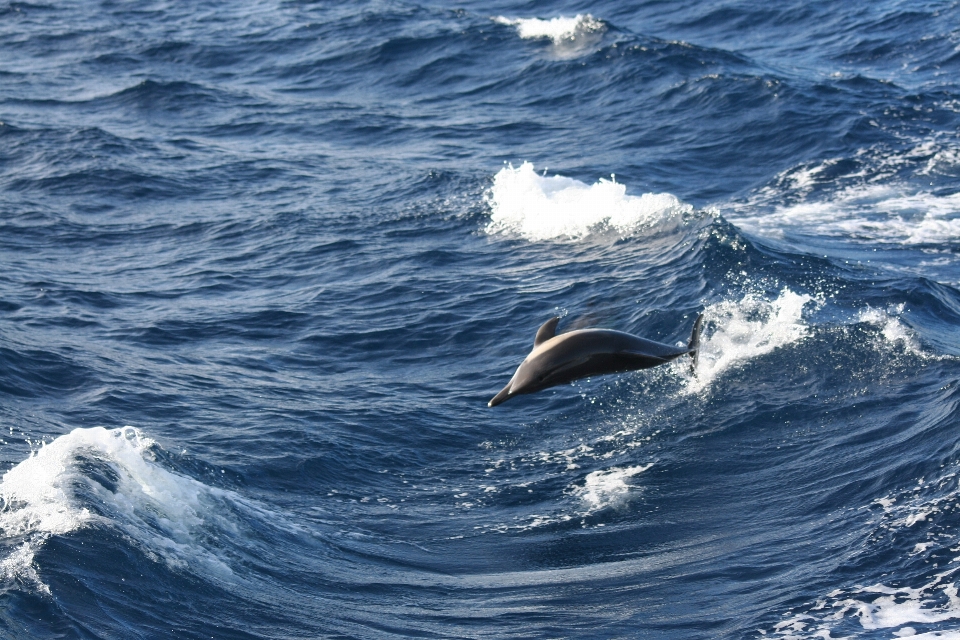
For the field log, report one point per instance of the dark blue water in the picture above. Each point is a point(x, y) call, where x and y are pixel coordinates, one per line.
point(262, 265)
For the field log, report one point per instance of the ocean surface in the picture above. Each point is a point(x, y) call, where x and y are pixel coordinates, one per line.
point(263, 264)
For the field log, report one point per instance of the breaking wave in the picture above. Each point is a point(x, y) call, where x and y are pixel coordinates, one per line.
point(874, 213)
point(559, 30)
point(111, 478)
point(541, 207)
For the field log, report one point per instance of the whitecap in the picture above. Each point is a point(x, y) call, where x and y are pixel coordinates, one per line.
point(879, 607)
point(607, 487)
point(871, 213)
point(541, 207)
point(110, 478)
point(559, 30)
point(915, 513)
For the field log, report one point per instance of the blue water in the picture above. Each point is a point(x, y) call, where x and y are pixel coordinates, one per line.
point(262, 265)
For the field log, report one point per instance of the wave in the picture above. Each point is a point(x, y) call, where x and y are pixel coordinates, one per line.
point(890, 196)
point(892, 330)
point(924, 512)
point(111, 478)
point(738, 331)
point(880, 607)
point(541, 207)
point(559, 30)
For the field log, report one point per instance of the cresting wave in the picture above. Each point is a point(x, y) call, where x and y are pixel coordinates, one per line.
point(739, 331)
point(874, 195)
point(559, 30)
point(111, 478)
point(541, 207)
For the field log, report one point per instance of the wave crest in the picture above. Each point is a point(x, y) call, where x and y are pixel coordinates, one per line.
point(109, 477)
point(541, 207)
point(873, 213)
point(559, 30)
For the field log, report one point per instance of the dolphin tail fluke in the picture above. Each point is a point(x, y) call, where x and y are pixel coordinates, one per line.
point(693, 347)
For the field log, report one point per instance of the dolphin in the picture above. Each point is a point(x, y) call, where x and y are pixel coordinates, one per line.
point(556, 359)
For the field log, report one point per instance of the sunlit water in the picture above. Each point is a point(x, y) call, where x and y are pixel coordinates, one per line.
point(264, 264)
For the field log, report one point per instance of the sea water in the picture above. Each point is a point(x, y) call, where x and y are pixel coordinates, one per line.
point(262, 265)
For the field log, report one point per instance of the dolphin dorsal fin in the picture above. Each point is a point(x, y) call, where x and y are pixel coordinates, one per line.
point(547, 331)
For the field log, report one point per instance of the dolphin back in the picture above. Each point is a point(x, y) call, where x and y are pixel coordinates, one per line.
point(609, 341)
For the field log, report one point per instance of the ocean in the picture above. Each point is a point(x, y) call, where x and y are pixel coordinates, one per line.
point(263, 265)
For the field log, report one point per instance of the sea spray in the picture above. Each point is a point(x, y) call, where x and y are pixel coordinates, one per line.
point(741, 330)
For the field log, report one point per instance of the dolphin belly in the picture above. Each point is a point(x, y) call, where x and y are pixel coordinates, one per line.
point(604, 363)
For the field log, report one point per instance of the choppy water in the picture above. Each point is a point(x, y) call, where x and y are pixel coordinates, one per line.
point(263, 264)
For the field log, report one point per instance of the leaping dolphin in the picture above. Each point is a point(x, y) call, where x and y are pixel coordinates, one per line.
point(556, 359)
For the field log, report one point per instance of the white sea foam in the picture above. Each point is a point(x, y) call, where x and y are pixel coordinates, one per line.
point(110, 478)
point(915, 513)
point(745, 329)
point(894, 332)
point(539, 207)
point(598, 490)
point(559, 30)
point(870, 213)
point(879, 607)
point(607, 488)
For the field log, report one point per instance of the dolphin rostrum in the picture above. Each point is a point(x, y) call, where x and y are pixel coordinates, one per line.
point(556, 359)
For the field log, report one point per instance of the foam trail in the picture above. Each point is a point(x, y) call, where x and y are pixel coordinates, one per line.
point(868, 213)
point(110, 478)
point(879, 607)
point(745, 329)
point(544, 208)
point(558, 30)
